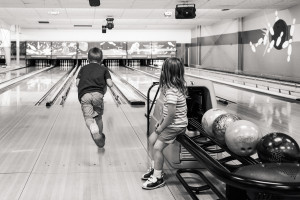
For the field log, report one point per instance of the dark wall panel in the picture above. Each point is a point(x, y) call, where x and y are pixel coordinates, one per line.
point(273, 64)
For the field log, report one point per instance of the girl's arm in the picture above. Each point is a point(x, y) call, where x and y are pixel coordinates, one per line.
point(168, 119)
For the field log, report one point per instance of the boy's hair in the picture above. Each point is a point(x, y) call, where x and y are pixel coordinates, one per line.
point(95, 54)
point(172, 75)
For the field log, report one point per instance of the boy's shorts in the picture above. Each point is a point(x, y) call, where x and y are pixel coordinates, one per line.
point(92, 104)
point(169, 134)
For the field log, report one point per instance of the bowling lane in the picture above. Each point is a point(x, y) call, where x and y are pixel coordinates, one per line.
point(29, 91)
point(5, 76)
point(137, 79)
point(269, 113)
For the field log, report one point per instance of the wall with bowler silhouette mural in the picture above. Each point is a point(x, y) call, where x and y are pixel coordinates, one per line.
point(265, 44)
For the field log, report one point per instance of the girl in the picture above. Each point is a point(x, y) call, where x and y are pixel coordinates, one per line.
point(173, 122)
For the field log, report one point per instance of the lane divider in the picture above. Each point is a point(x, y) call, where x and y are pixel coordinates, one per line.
point(8, 83)
point(60, 89)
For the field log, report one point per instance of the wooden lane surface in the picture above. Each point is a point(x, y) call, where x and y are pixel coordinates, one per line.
point(70, 165)
point(11, 185)
point(10, 117)
point(20, 148)
point(70, 147)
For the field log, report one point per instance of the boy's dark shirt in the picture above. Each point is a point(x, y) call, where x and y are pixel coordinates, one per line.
point(92, 79)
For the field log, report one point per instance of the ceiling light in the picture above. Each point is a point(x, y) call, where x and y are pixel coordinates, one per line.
point(82, 25)
point(53, 12)
point(168, 14)
point(44, 22)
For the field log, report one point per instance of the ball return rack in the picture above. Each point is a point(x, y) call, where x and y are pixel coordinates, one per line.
point(248, 180)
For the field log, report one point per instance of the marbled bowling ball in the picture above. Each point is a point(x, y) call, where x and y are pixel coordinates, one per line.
point(278, 148)
point(220, 125)
point(209, 118)
point(242, 136)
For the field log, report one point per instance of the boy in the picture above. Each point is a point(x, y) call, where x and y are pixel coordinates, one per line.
point(92, 82)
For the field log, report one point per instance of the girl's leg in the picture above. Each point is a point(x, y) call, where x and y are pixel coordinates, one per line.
point(158, 154)
point(157, 179)
point(152, 139)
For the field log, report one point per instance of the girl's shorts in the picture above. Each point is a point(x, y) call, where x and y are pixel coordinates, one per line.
point(169, 134)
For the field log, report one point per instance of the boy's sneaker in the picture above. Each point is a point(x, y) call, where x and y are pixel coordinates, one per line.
point(148, 174)
point(153, 183)
point(101, 142)
point(94, 129)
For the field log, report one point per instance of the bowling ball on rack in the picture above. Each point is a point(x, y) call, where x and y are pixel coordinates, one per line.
point(209, 118)
point(278, 148)
point(220, 125)
point(242, 136)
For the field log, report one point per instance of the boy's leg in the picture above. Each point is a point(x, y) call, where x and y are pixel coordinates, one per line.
point(88, 113)
point(99, 122)
point(98, 107)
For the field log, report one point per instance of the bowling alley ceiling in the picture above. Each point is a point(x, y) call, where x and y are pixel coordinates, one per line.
point(128, 14)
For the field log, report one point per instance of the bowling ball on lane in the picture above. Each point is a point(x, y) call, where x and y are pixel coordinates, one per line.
point(220, 125)
point(278, 148)
point(209, 118)
point(242, 136)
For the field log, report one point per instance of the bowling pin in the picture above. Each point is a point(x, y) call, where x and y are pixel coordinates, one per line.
point(276, 17)
point(271, 46)
point(279, 39)
point(252, 47)
point(266, 37)
point(259, 42)
point(292, 28)
point(271, 29)
point(285, 44)
point(289, 50)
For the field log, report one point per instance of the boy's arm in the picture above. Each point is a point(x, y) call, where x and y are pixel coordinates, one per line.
point(109, 82)
point(78, 77)
point(168, 119)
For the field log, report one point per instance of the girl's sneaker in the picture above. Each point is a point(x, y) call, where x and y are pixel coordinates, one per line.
point(148, 174)
point(153, 183)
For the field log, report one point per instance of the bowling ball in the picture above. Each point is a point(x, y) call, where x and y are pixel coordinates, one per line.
point(278, 148)
point(209, 118)
point(242, 136)
point(220, 125)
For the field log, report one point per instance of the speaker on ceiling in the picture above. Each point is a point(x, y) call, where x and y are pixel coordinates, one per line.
point(94, 2)
point(185, 11)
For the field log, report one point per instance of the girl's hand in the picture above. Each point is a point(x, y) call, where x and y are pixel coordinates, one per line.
point(156, 125)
